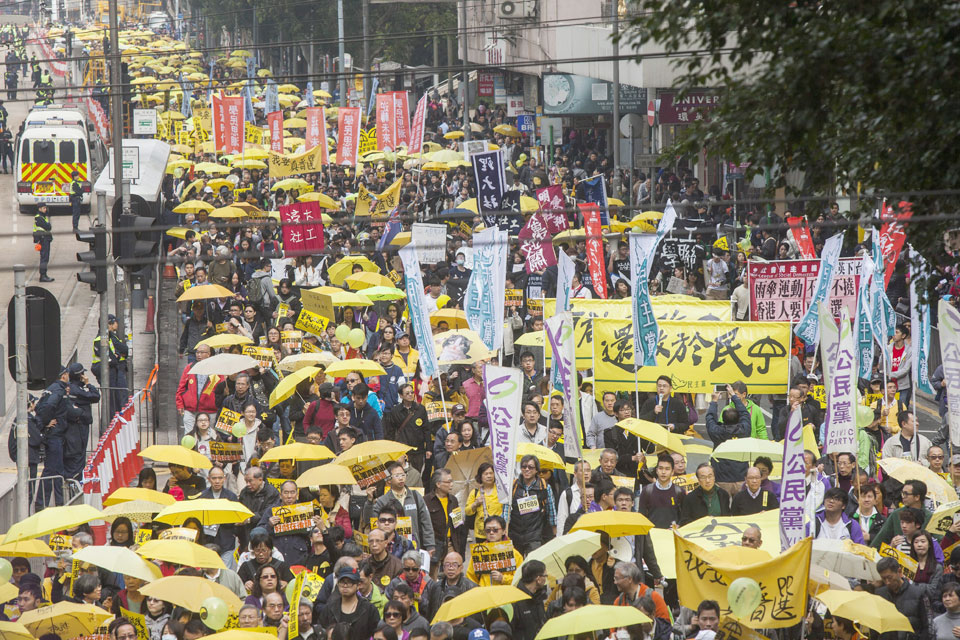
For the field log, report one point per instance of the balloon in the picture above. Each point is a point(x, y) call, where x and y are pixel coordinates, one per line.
point(188, 441)
point(356, 338)
point(342, 333)
point(214, 613)
point(744, 597)
point(6, 571)
point(291, 586)
point(239, 430)
point(865, 416)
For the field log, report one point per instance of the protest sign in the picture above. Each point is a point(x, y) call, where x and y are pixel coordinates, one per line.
point(264, 356)
point(311, 322)
point(781, 291)
point(293, 517)
point(283, 165)
point(368, 472)
point(493, 556)
point(226, 451)
point(227, 420)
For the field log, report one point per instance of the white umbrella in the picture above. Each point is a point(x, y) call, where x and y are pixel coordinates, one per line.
point(846, 558)
point(224, 364)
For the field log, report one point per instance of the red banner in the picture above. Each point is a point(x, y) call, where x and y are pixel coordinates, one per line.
point(302, 228)
point(401, 117)
point(594, 229)
point(275, 124)
point(551, 207)
point(892, 236)
point(216, 113)
point(316, 130)
point(348, 135)
point(801, 234)
point(232, 109)
point(415, 144)
point(535, 244)
point(386, 122)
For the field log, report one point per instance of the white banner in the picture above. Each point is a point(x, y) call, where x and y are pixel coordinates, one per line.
point(432, 240)
point(792, 488)
point(417, 306)
point(559, 330)
point(949, 326)
point(808, 327)
point(829, 339)
point(485, 294)
point(919, 325)
point(841, 436)
point(503, 390)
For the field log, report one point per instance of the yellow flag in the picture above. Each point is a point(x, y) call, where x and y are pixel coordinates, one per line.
point(283, 165)
point(782, 580)
point(364, 200)
point(388, 200)
point(721, 244)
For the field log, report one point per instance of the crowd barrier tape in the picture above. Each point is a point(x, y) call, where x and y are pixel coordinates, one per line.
point(57, 67)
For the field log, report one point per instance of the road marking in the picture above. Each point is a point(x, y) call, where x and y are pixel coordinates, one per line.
point(15, 210)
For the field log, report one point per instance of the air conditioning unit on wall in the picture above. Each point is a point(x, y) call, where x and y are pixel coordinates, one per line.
point(508, 9)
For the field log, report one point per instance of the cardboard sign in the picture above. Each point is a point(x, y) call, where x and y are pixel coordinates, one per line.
point(436, 410)
point(687, 482)
point(293, 518)
point(60, 541)
point(179, 533)
point(264, 356)
point(139, 623)
point(309, 347)
point(226, 451)
point(404, 526)
point(514, 298)
point(291, 340)
point(227, 420)
point(908, 564)
point(142, 536)
point(368, 472)
point(493, 556)
point(310, 322)
point(535, 307)
point(318, 303)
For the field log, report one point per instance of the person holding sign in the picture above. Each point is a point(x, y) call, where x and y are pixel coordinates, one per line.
point(293, 544)
point(495, 530)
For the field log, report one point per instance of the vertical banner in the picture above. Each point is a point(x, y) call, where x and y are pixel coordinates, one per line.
point(801, 235)
point(595, 190)
point(233, 124)
point(316, 134)
point(829, 339)
point(892, 235)
point(293, 625)
point(535, 245)
point(949, 326)
point(559, 330)
point(417, 307)
point(792, 488)
point(862, 332)
point(275, 124)
point(415, 144)
point(271, 97)
point(219, 129)
point(503, 391)
point(841, 436)
point(483, 299)
point(348, 135)
point(920, 325)
point(385, 122)
point(646, 332)
point(401, 119)
point(882, 308)
point(308, 94)
point(565, 271)
point(302, 228)
point(552, 203)
point(593, 225)
point(808, 328)
point(488, 173)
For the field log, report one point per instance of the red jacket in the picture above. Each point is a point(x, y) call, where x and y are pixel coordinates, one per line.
point(189, 398)
point(319, 413)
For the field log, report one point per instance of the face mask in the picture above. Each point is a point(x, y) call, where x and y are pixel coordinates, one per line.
point(168, 636)
point(460, 261)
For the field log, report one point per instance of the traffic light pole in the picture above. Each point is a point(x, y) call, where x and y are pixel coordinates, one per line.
point(104, 330)
point(23, 432)
point(116, 97)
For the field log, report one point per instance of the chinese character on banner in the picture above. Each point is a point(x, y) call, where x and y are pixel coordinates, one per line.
point(415, 144)
point(275, 124)
point(491, 183)
point(219, 134)
point(539, 254)
point(595, 263)
point(892, 236)
point(302, 228)
point(386, 122)
point(316, 130)
point(551, 208)
point(348, 135)
point(233, 121)
point(401, 111)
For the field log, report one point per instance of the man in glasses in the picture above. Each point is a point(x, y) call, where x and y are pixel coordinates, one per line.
point(412, 503)
point(397, 545)
point(346, 606)
point(913, 495)
point(384, 566)
point(450, 583)
point(411, 577)
point(495, 529)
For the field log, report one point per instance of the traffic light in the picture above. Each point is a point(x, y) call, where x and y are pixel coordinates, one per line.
point(135, 238)
point(96, 276)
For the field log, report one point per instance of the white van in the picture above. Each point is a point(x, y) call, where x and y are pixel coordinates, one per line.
point(46, 157)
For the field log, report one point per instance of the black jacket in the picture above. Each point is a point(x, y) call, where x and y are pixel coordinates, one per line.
point(675, 412)
point(441, 529)
point(530, 615)
point(225, 536)
point(57, 404)
point(694, 505)
point(408, 426)
point(913, 602)
point(728, 470)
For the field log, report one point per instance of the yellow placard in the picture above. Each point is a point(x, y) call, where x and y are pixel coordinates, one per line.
point(368, 140)
point(226, 451)
point(227, 420)
point(514, 298)
point(696, 355)
point(264, 356)
point(252, 133)
point(909, 564)
point(368, 472)
point(311, 322)
point(362, 540)
point(142, 536)
point(291, 339)
point(139, 623)
point(535, 306)
point(282, 310)
point(387, 201)
point(493, 556)
point(819, 394)
point(782, 580)
point(179, 533)
point(309, 347)
point(283, 165)
point(60, 541)
point(465, 228)
point(293, 518)
point(293, 624)
point(221, 327)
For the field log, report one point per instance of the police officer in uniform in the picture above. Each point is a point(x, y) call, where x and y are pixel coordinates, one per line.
point(43, 236)
point(11, 79)
point(78, 431)
point(56, 410)
point(35, 70)
point(75, 190)
point(117, 382)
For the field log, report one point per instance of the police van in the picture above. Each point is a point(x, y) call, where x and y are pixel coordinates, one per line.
point(55, 141)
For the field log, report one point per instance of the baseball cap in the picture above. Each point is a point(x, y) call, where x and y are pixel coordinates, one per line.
point(76, 369)
point(955, 459)
point(479, 634)
point(502, 627)
point(348, 573)
point(111, 318)
point(459, 408)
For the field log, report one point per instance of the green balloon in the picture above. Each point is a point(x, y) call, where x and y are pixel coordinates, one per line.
point(214, 613)
point(744, 597)
point(188, 441)
point(342, 333)
point(6, 571)
point(865, 416)
point(239, 430)
point(356, 338)
point(291, 586)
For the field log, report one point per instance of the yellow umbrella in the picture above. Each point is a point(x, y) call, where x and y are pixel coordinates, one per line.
point(367, 368)
point(339, 271)
point(119, 560)
point(297, 451)
point(143, 80)
point(295, 123)
point(224, 364)
point(402, 239)
point(65, 619)
point(384, 450)
point(320, 93)
point(455, 318)
point(264, 73)
point(288, 88)
point(507, 130)
point(300, 360)
point(591, 618)
point(876, 613)
point(126, 494)
point(205, 292)
point(173, 115)
point(528, 204)
point(367, 280)
point(183, 552)
point(27, 549)
point(570, 235)
point(348, 299)
point(904, 470)
point(218, 183)
point(209, 511)
point(435, 166)
point(479, 599)
point(291, 184)
point(653, 432)
point(196, 185)
point(189, 592)
point(460, 346)
point(256, 154)
point(532, 339)
point(50, 520)
point(135, 510)
point(453, 135)
point(211, 167)
point(228, 212)
point(288, 386)
point(325, 201)
point(177, 164)
point(469, 205)
point(14, 631)
point(193, 206)
point(548, 459)
point(175, 454)
point(249, 163)
point(225, 340)
point(325, 475)
point(445, 155)
point(615, 523)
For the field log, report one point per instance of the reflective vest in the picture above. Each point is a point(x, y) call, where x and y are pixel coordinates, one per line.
point(113, 351)
point(37, 228)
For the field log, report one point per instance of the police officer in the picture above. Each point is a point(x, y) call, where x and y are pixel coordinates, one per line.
point(34, 441)
point(75, 190)
point(56, 410)
point(43, 236)
point(34, 70)
point(117, 382)
point(11, 80)
point(6, 148)
point(78, 431)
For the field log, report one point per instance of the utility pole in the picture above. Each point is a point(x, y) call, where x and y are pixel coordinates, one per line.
point(23, 433)
point(104, 330)
point(465, 90)
point(615, 129)
point(116, 97)
point(343, 55)
point(367, 81)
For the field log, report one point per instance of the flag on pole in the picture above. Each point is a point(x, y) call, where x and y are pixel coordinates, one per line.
point(808, 329)
point(862, 331)
point(949, 327)
point(920, 324)
point(417, 307)
point(559, 330)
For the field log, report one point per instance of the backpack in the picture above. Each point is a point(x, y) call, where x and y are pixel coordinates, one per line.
point(255, 290)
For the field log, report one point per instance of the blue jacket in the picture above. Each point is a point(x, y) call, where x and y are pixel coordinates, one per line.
point(389, 393)
point(57, 404)
point(367, 421)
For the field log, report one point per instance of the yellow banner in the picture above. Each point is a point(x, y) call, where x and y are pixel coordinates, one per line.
point(696, 355)
point(281, 166)
point(364, 202)
point(907, 563)
point(783, 582)
point(252, 133)
point(388, 200)
point(672, 307)
point(311, 322)
point(139, 623)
